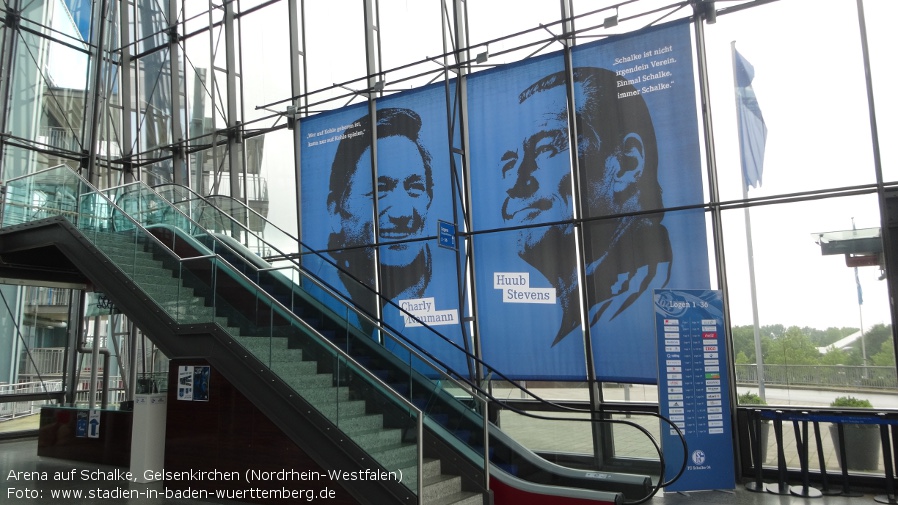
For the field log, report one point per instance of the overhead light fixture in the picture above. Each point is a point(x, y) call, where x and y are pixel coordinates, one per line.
point(482, 57)
point(610, 22)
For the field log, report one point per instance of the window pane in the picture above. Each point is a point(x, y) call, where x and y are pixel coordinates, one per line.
point(818, 134)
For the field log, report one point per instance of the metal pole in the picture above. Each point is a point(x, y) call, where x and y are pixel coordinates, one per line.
point(877, 164)
point(132, 360)
point(179, 160)
point(94, 362)
point(7, 53)
point(373, 60)
point(95, 93)
point(759, 358)
point(297, 85)
point(420, 479)
point(751, 254)
point(125, 93)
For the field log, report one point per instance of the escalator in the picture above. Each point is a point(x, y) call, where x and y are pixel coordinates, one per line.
point(211, 296)
point(387, 353)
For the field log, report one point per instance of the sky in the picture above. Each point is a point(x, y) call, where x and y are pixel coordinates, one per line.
point(809, 81)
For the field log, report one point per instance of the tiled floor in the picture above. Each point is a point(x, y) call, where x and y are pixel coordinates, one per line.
point(743, 497)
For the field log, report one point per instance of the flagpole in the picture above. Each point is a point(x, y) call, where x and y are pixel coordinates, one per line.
point(860, 310)
point(759, 358)
point(754, 296)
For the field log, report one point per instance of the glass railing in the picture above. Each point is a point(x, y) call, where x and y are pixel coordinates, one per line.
point(293, 277)
point(193, 285)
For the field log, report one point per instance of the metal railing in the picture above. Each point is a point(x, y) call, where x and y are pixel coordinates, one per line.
point(13, 410)
point(47, 296)
point(44, 360)
point(820, 376)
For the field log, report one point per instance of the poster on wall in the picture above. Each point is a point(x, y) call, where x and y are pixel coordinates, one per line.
point(193, 383)
point(693, 388)
point(400, 209)
point(637, 134)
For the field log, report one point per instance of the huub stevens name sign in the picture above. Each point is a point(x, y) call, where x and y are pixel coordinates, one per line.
point(516, 288)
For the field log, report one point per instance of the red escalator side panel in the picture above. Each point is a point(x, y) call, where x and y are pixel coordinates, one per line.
point(503, 494)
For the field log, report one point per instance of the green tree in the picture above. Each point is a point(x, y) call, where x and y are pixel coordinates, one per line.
point(829, 336)
point(744, 339)
point(744, 342)
point(792, 348)
point(885, 356)
point(874, 338)
point(834, 356)
point(742, 359)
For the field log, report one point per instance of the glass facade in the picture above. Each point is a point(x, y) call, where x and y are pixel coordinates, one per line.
point(238, 98)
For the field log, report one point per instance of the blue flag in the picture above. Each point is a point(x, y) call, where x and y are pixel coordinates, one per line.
point(752, 130)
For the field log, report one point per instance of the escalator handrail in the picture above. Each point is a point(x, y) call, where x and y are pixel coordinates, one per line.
point(393, 331)
point(234, 272)
point(406, 343)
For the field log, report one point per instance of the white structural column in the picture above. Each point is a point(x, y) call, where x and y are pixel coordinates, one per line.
point(234, 127)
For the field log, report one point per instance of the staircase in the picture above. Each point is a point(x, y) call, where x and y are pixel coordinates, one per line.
point(307, 361)
point(368, 430)
point(351, 408)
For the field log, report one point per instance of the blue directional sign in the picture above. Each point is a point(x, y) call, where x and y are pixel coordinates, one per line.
point(693, 386)
point(81, 418)
point(447, 234)
point(93, 430)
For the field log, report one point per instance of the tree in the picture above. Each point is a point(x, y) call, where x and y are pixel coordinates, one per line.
point(834, 356)
point(873, 341)
point(744, 339)
point(742, 359)
point(793, 348)
point(886, 355)
point(827, 337)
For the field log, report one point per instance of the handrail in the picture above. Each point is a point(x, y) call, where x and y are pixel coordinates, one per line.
point(218, 262)
point(408, 345)
point(283, 311)
point(380, 296)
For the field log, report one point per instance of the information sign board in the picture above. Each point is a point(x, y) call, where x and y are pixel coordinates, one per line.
point(693, 387)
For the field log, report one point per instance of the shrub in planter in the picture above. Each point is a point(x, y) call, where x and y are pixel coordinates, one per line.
point(749, 398)
point(862, 441)
point(851, 402)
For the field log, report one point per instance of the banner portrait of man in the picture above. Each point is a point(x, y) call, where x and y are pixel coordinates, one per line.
point(627, 250)
point(387, 214)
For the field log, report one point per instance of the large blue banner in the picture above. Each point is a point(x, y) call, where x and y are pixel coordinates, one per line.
point(546, 216)
point(347, 207)
point(634, 111)
point(528, 298)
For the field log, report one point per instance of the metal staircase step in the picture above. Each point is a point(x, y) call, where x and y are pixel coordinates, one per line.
point(320, 380)
point(439, 486)
point(294, 368)
point(374, 440)
point(395, 456)
point(459, 498)
point(273, 350)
